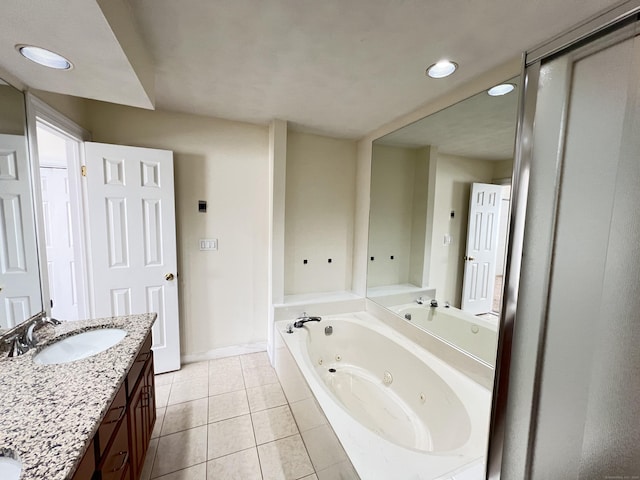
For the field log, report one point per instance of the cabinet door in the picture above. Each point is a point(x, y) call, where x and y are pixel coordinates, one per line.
point(138, 420)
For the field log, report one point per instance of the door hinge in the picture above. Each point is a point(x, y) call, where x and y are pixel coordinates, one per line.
point(83, 170)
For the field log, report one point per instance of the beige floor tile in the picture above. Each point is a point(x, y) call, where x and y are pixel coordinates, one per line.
point(230, 436)
point(197, 472)
point(190, 371)
point(284, 459)
point(273, 424)
point(307, 414)
point(255, 376)
point(339, 471)
point(265, 396)
point(259, 359)
point(164, 379)
point(187, 391)
point(162, 395)
point(228, 405)
point(225, 381)
point(225, 363)
point(148, 459)
point(323, 446)
point(184, 416)
point(159, 419)
point(310, 477)
point(180, 450)
point(242, 465)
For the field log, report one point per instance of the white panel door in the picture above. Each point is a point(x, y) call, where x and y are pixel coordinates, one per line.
point(58, 237)
point(482, 248)
point(19, 274)
point(133, 240)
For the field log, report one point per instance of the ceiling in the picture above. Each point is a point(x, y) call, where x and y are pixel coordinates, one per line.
point(331, 67)
point(481, 126)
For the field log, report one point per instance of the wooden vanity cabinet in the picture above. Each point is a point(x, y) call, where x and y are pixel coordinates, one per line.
point(118, 450)
point(115, 464)
point(87, 466)
point(141, 416)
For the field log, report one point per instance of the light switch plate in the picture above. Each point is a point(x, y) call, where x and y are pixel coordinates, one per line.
point(207, 244)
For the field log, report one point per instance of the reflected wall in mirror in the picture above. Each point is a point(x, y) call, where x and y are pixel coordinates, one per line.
point(20, 295)
point(440, 193)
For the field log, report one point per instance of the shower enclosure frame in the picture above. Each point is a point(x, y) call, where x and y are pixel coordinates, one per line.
point(509, 453)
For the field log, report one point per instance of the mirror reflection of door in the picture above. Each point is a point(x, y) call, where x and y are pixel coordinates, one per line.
point(61, 225)
point(481, 255)
point(19, 274)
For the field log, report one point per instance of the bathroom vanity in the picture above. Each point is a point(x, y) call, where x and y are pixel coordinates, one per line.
point(87, 419)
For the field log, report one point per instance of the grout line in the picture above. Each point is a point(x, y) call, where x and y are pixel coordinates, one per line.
point(206, 452)
point(180, 470)
point(253, 429)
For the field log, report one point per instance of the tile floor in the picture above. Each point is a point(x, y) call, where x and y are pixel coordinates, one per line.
point(229, 419)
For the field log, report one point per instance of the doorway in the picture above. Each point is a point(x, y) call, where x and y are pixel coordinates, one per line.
point(59, 161)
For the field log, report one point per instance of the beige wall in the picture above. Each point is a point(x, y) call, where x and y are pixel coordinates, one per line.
point(397, 221)
point(13, 118)
point(223, 294)
point(72, 107)
point(319, 213)
point(420, 216)
point(452, 189)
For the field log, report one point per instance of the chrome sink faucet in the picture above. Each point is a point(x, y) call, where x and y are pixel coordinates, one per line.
point(300, 321)
point(23, 338)
point(29, 337)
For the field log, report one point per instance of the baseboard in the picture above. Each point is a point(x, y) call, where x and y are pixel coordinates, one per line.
point(224, 352)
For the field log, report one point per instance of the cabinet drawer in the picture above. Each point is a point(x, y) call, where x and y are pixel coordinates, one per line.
point(116, 412)
point(115, 463)
point(136, 369)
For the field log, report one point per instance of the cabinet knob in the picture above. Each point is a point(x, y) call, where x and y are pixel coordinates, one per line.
point(169, 276)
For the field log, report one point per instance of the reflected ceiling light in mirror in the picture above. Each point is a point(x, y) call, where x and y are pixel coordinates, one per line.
point(501, 89)
point(44, 57)
point(442, 69)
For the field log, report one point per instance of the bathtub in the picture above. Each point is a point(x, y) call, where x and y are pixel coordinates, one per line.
point(474, 335)
point(399, 411)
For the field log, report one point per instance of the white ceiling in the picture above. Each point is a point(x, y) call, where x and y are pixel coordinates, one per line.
point(481, 127)
point(333, 67)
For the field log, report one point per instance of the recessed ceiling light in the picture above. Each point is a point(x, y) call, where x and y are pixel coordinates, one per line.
point(44, 57)
point(502, 89)
point(442, 69)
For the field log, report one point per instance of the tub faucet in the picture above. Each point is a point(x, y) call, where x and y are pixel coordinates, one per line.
point(300, 321)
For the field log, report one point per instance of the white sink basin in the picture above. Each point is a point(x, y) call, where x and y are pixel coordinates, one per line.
point(9, 468)
point(77, 347)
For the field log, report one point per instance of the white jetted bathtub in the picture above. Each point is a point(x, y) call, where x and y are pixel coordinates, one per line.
point(399, 411)
point(474, 335)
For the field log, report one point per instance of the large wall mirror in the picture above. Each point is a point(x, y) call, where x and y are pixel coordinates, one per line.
point(20, 295)
point(440, 194)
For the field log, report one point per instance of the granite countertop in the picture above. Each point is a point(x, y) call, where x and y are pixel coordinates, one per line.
point(50, 413)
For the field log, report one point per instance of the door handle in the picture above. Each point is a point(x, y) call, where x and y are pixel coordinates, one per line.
point(169, 276)
point(471, 259)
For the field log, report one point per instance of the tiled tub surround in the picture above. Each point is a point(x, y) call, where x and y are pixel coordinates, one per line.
point(448, 423)
point(230, 419)
point(50, 413)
